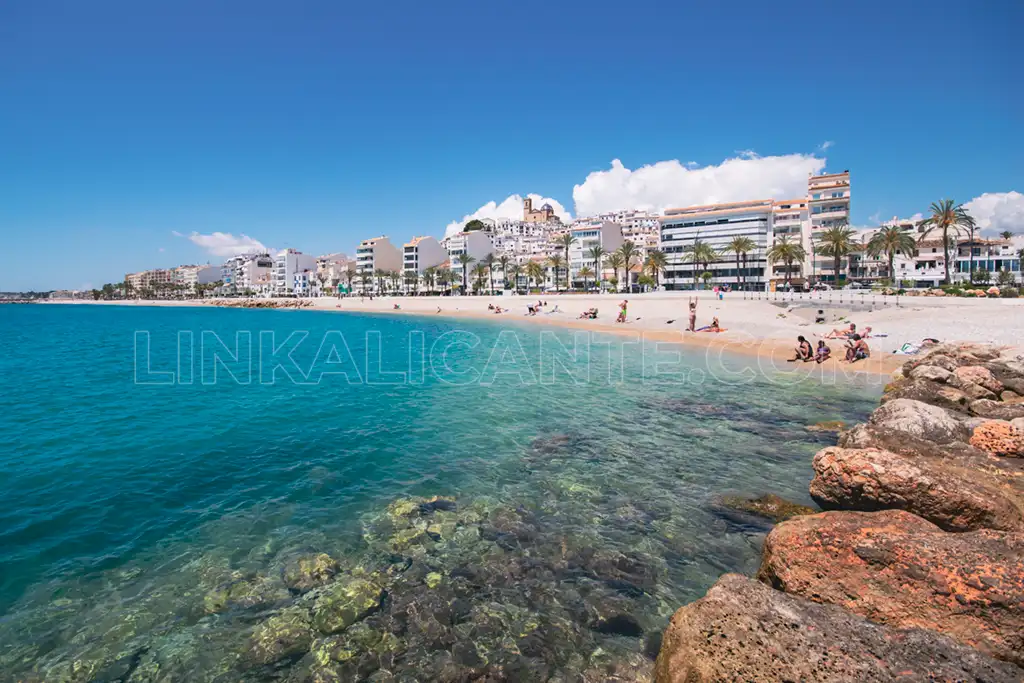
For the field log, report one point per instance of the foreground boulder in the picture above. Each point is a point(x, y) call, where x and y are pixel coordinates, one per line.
point(744, 631)
point(871, 479)
point(998, 437)
point(912, 427)
point(928, 391)
point(895, 568)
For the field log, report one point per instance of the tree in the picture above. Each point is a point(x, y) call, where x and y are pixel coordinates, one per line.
point(412, 281)
point(474, 224)
point(629, 252)
point(350, 275)
point(584, 273)
point(429, 276)
point(646, 281)
point(445, 278)
point(706, 277)
point(488, 263)
point(615, 261)
point(513, 273)
point(655, 263)
point(597, 252)
point(565, 241)
point(464, 261)
point(395, 278)
point(1005, 278)
point(949, 219)
point(700, 254)
point(787, 252)
point(556, 262)
point(535, 272)
point(503, 263)
point(740, 246)
point(365, 277)
point(479, 271)
point(836, 242)
point(321, 277)
point(1006, 234)
point(890, 240)
point(982, 276)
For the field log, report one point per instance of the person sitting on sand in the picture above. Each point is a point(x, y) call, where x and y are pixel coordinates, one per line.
point(531, 310)
point(397, 307)
point(857, 349)
point(820, 318)
point(589, 314)
point(490, 307)
point(823, 353)
point(803, 350)
point(438, 309)
point(714, 327)
point(844, 333)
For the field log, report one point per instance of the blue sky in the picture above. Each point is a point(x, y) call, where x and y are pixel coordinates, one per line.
point(313, 125)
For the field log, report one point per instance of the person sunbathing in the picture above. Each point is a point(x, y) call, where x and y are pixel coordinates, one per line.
point(823, 353)
point(843, 333)
point(857, 349)
point(803, 351)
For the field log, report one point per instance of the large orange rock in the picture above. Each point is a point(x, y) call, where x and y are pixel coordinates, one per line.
point(895, 568)
point(998, 438)
point(745, 631)
point(869, 479)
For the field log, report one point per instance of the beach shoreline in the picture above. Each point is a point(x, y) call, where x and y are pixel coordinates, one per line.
point(756, 325)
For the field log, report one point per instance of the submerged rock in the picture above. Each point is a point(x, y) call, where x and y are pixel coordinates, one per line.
point(285, 634)
point(871, 479)
point(243, 593)
point(308, 572)
point(345, 601)
point(744, 631)
point(897, 569)
point(769, 506)
point(830, 426)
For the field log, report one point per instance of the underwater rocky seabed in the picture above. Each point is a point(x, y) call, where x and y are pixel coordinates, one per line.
point(560, 557)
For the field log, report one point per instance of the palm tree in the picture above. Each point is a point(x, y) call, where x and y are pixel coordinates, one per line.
point(787, 252)
point(503, 263)
point(556, 262)
point(629, 251)
point(479, 271)
point(566, 241)
point(741, 246)
point(584, 273)
point(535, 272)
point(488, 262)
point(836, 242)
point(948, 218)
point(1006, 234)
point(464, 261)
point(615, 262)
point(655, 263)
point(512, 271)
point(700, 254)
point(350, 275)
point(365, 278)
point(890, 240)
point(412, 281)
point(597, 253)
point(445, 277)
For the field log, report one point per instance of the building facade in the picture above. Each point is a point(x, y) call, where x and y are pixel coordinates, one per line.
point(606, 235)
point(287, 264)
point(716, 225)
point(544, 214)
point(829, 201)
point(372, 255)
point(421, 253)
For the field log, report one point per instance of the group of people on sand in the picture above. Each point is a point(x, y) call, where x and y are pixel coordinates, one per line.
point(856, 346)
point(534, 309)
point(589, 314)
point(496, 309)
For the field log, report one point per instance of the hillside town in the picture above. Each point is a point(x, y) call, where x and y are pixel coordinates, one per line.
point(763, 245)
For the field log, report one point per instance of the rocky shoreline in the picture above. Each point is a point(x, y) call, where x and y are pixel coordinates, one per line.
point(916, 569)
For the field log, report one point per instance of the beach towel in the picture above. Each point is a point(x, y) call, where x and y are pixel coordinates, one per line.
point(908, 349)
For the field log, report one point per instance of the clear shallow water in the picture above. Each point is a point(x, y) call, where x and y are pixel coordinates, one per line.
point(584, 509)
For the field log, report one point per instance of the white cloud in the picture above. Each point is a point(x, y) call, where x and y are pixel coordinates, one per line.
point(825, 145)
point(511, 208)
point(225, 244)
point(998, 211)
point(672, 184)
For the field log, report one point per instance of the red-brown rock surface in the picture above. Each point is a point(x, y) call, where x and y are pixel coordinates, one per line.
point(744, 631)
point(870, 479)
point(998, 438)
point(982, 376)
point(895, 568)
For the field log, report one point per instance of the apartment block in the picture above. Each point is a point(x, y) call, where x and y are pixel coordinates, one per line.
point(376, 254)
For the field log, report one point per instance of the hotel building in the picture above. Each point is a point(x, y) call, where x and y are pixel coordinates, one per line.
point(376, 254)
point(605, 234)
point(829, 199)
point(421, 253)
point(716, 225)
point(287, 263)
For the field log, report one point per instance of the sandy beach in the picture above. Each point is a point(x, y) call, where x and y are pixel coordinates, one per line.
point(766, 325)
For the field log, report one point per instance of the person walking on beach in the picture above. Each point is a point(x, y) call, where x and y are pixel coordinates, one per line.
point(693, 315)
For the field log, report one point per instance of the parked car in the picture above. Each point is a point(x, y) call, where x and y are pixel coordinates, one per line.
point(822, 287)
point(856, 285)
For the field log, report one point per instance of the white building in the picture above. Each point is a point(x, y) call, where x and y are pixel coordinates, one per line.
point(190, 276)
point(421, 253)
point(332, 271)
point(287, 264)
point(376, 254)
point(607, 235)
point(791, 221)
point(716, 225)
point(829, 201)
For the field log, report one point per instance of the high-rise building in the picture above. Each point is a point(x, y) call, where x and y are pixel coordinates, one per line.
point(373, 255)
point(829, 200)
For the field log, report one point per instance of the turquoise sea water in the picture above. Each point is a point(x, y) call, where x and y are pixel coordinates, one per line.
point(141, 476)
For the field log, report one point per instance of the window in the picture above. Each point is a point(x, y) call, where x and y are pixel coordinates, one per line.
point(837, 195)
point(817, 195)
